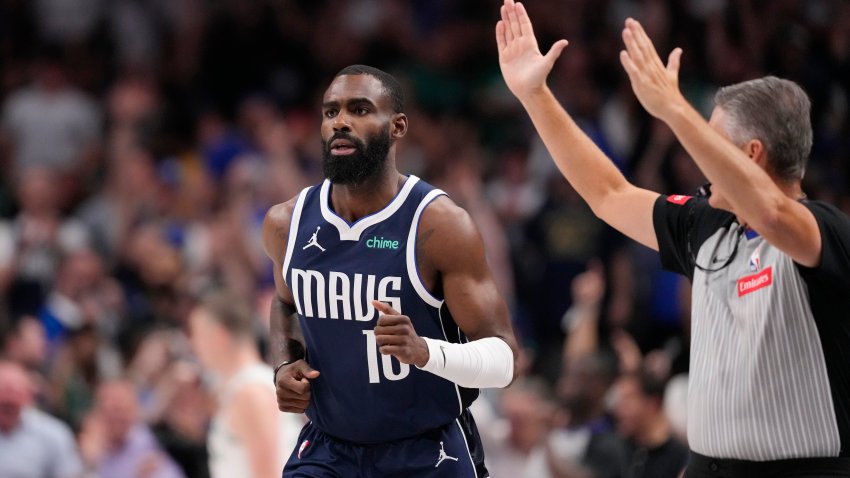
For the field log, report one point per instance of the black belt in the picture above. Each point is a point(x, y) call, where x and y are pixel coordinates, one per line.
point(701, 466)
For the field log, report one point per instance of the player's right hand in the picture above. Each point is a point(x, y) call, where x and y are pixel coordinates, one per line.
point(292, 386)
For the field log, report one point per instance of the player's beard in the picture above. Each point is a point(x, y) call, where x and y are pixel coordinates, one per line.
point(363, 164)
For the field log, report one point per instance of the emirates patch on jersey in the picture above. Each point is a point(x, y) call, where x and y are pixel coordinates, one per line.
point(755, 282)
point(679, 199)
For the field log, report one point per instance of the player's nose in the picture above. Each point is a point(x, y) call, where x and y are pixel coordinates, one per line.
point(341, 122)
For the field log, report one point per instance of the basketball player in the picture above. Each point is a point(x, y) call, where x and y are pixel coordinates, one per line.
point(244, 440)
point(769, 391)
point(401, 320)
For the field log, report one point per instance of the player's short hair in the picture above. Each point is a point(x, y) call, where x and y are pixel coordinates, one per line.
point(230, 311)
point(776, 112)
point(392, 88)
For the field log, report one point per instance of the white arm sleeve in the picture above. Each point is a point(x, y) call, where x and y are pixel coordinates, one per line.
point(483, 363)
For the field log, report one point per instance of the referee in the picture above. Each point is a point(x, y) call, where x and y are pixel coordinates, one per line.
point(770, 353)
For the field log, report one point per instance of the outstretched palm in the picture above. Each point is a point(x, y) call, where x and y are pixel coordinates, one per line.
point(523, 66)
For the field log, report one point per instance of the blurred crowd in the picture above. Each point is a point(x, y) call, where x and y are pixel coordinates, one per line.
point(142, 141)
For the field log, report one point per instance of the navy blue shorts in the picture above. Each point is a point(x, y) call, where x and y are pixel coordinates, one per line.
point(453, 451)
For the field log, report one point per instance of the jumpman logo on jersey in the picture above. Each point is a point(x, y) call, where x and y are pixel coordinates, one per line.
point(314, 241)
point(443, 456)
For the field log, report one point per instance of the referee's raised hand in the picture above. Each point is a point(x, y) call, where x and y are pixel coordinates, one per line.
point(523, 66)
point(654, 84)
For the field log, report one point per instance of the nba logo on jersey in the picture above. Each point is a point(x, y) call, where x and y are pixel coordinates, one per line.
point(304, 445)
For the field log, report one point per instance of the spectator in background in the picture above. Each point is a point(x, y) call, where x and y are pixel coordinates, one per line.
point(587, 444)
point(115, 443)
point(83, 294)
point(184, 421)
point(172, 397)
point(52, 124)
point(248, 436)
point(25, 343)
point(32, 443)
point(129, 196)
point(653, 451)
point(80, 364)
point(33, 243)
point(526, 414)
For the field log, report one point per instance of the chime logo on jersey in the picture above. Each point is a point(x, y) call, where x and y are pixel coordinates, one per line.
point(381, 243)
point(343, 296)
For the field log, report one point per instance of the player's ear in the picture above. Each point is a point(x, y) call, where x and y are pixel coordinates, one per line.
point(398, 125)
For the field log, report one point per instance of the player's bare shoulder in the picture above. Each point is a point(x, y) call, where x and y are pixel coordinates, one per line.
point(447, 235)
point(276, 228)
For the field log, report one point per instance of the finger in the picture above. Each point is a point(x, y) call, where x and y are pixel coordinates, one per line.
point(297, 387)
point(501, 42)
point(632, 47)
point(390, 320)
point(293, 402)
point(513, 21)
point(299, 405)
point(301, 368)
point(383, 340)
point(509, 35)
point(674, 60)
point(523, 21)
point(628, 65)
point(288, 409)
point(556, 50)
point(394, 329)
point(394, 350)
point(645, 44)
point(384, 308)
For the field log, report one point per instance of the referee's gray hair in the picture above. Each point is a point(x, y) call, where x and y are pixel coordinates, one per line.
point(776, 112)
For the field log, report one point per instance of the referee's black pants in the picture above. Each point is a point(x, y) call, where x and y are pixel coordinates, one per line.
point(700, 466)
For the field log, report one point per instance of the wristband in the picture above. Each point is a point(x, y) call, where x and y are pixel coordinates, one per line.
point(279, 366)
point(296, 352)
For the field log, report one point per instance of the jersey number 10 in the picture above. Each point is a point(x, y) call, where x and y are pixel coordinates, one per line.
point(372, 355)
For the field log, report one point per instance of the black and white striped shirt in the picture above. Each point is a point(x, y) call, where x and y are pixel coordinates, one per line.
point(770, 348)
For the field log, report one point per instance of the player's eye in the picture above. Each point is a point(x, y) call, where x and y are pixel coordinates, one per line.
point(331, 113)
point(361, 110)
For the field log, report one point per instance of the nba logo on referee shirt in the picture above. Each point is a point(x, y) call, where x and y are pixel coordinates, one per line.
point(755, 263)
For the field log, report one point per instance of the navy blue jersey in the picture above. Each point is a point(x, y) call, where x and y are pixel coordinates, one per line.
point(335, 270)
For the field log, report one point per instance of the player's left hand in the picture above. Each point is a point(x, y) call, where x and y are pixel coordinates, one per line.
point(655, 85)
point(396, 336)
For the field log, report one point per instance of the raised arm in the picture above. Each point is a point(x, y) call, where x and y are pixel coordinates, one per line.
point(292, 373)
point(613, 199)
point(754, 197)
